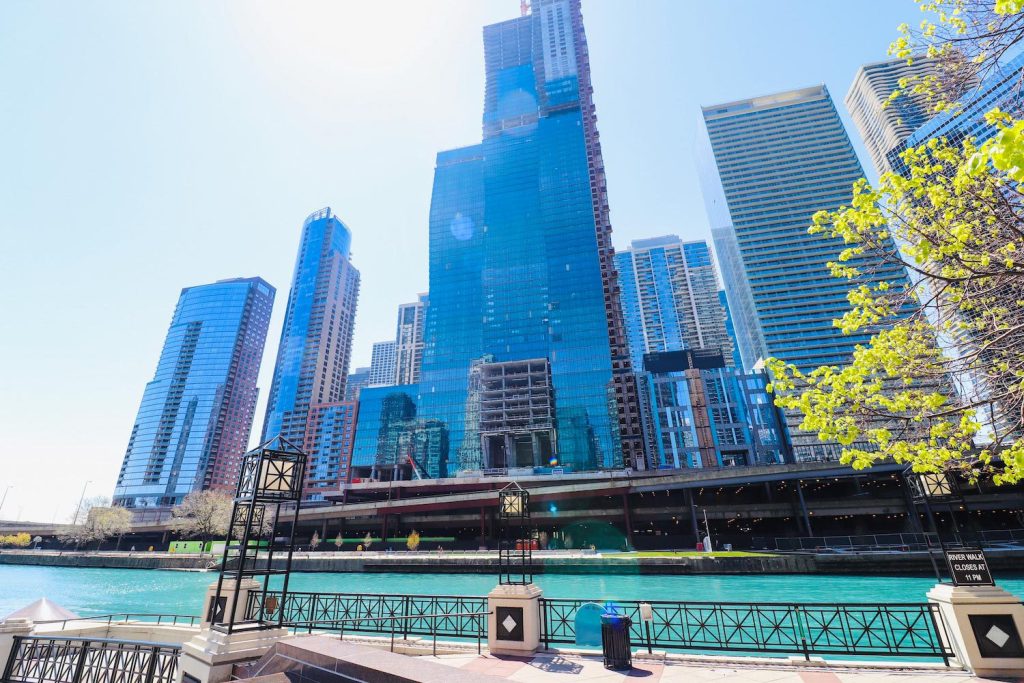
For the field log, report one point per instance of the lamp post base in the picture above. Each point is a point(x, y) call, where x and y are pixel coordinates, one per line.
point(513, 625)
point(982, 625)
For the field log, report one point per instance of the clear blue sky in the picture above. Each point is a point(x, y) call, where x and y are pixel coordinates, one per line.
point(149, 146)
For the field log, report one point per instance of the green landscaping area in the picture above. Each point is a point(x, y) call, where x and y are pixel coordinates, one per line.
point(688, 553)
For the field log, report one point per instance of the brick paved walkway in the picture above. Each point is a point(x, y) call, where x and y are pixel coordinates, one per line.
point(569, 668)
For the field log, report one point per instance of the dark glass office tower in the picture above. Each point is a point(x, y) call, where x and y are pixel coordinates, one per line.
point(525, 362)
point(316, 340)
point(196, 414)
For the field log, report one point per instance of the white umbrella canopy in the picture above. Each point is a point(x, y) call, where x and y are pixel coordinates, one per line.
point(42, 610)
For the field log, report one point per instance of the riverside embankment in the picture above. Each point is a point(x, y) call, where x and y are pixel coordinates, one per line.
point(558, 562)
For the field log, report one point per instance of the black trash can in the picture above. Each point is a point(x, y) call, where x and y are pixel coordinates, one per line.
point(615, 644)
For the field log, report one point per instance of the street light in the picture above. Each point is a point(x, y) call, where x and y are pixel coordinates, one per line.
point(4, 499)
point(81, 499)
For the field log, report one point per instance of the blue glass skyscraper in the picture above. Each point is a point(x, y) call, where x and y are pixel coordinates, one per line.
point(196, 414)
point(316, 340)
point(525, 362)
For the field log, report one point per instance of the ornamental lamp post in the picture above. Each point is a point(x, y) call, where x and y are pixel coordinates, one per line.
point(515, 546)
point(272, 476)
point(927, 488)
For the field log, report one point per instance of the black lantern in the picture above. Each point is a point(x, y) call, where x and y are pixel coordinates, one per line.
point(515, 548)
point(931, 486)
point(272, 475)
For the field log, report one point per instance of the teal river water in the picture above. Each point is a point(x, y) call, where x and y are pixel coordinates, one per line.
point(107, 591)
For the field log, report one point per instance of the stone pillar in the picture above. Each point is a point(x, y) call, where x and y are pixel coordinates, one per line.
point(983, 626)
point(211, 656)
point(9, 629)
point(227, 592)
point(513, 625)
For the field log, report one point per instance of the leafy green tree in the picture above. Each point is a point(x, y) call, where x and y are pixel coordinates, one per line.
point(942, 386)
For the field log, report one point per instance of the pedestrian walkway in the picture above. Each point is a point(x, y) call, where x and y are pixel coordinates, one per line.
point(568, 668)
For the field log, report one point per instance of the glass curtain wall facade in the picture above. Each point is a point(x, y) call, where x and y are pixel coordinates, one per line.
point(196, 414)
point(329, 441)
point(316, 340)
point(704, 414)
point(767, 165)
point(737, 362)
point(521, 269)
point(669, 294)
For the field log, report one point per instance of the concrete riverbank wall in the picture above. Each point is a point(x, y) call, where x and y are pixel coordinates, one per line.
point(486, 563)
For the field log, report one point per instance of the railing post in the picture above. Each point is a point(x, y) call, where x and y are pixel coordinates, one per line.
point(544, 637)
point(80, 666)
point(941, 637)
point(11, 658)
point(799, 616)
point(151, 670)
point(406, 603)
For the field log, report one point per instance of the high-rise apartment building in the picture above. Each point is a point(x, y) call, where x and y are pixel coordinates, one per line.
point(670, 298)
point(885, 125)
point(409, 340)
point(196, 414)
point(382, 364)
point(523, 291)
point(316, 340)
point(357, 379)
point(768, 164)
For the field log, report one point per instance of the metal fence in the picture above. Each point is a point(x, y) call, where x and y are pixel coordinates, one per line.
point(890, 630)
point(833, 629)
point(448, 616)
point(890, 541)
point(38, 659)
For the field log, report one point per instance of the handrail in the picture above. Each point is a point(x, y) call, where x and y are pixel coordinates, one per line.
point(100, 641)
point(125, 617)
point(394, 618)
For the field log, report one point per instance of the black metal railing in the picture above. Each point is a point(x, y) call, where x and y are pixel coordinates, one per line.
point(820, 629)
point(882, 630)
point(39, 659)
point(125, 617)
point(447, 616)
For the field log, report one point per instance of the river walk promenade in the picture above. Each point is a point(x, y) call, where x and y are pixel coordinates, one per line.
point(570, 668)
